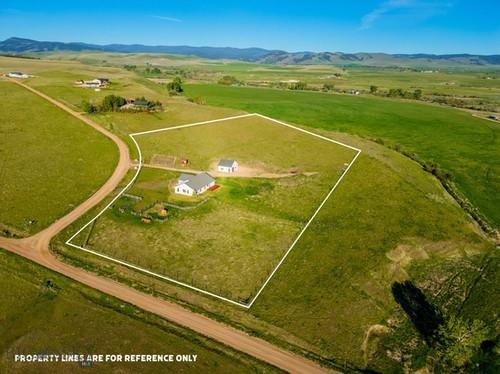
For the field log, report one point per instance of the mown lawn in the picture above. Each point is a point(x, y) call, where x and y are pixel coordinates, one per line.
point(49, 161)
point(466, 146)
point(42, 312)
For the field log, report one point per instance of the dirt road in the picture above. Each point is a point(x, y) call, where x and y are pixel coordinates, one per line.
point(36, 248)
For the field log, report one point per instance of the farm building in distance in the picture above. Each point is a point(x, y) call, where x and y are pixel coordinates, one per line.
point(137, 104)
point(94, 83)
point(190, 185)
point(227, 166)
point(17, 74)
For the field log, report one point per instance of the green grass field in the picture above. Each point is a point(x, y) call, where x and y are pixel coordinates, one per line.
point(475, 83)
point(389, 220)
point(231, 243)
point(466, 146)
point(45, 167)
point(338, 278)
point(67, 318)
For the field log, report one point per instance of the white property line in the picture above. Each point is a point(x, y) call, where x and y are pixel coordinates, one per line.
point(249, 305)
point(303, 229)
point(157, 275)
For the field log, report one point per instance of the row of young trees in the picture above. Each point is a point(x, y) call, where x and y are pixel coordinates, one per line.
point(229, 80)
point(393, 92)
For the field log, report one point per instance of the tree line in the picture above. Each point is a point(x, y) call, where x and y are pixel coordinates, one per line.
point(115, 103)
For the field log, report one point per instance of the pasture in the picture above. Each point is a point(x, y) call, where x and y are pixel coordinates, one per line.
point(476, 83)
point(336, 282)
point(45, 168)
point(389, 220)
point(229, 244)
point(42, 312)
point(467, 147)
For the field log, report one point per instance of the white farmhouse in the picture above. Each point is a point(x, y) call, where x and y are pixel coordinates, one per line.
point(227, 166)
point(17, 74)
point(190, 185)
point(94, 83)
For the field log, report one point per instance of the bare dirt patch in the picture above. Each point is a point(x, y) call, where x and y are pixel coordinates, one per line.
point(163, 160)
point(244, 171)
point(256, 171)
point(373, 336)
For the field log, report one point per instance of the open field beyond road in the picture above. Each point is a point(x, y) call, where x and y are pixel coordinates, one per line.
point(49, 161)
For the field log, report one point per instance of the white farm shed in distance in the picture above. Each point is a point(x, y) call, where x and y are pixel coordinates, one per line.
point(227, 166)
point(17, 74)
point(190, 185)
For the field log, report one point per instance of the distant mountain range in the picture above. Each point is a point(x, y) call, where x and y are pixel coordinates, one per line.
point(276, 57)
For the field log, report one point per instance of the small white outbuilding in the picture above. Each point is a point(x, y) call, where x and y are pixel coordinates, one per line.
point(227, 166)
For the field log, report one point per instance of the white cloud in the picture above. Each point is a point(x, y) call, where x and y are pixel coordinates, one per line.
point(171, 19)
point(426, 9)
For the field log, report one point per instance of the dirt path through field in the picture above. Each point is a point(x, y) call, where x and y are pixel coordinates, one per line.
point(36, 249)
point(243, 172)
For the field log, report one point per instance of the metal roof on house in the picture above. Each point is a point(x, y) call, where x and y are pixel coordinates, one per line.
point(226, 163)
point(197, 181)
point(185, 177)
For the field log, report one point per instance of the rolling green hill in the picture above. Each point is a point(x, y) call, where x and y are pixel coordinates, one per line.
point(265, 56)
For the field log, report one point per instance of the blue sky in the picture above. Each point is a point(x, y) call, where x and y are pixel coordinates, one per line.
point(393, 26)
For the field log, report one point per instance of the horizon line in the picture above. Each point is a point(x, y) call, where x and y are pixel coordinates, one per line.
point(244, 48)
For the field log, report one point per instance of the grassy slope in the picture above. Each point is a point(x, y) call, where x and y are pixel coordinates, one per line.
point(466, 146)
point(339, 288)
point(229, 245)
point(46, 169)
point(336, 282)
point(338, 278)
point(70, 318)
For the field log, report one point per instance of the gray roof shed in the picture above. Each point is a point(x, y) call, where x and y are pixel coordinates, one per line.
point(226, 163)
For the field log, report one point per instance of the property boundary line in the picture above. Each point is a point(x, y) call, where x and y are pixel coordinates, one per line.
point(139, 167)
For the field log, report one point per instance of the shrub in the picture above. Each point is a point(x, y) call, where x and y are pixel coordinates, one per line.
point(88, 107)
point(200, 100)
point(298, 86)
point(228, 80)
point(328, 87)
point(175, 86)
